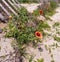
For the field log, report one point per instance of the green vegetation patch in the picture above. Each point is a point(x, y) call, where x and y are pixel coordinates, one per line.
point(57, 38)
point(48, 9)
point(26, 29)
point(56, 24)
point(36, 12)
point(51, 10)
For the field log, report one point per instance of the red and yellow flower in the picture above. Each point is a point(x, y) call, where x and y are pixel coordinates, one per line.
point(41, 12)
point(38, 34)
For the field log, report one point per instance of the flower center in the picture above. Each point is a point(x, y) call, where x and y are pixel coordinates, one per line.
point(38, 34)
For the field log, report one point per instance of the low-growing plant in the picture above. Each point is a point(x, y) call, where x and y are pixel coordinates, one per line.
point(43, 26)
point(23, 14)
point(58, 32)
point(23, 33)
point(36, 12)
point(57, 38)
point(56, 24)
point(46, 12)
point(53, 4)
point(51, 8)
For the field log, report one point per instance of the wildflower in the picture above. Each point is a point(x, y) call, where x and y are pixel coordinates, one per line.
point(38, 34)
point(41, 12)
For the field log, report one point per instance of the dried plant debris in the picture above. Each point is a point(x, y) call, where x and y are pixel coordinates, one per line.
point(1, 30)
